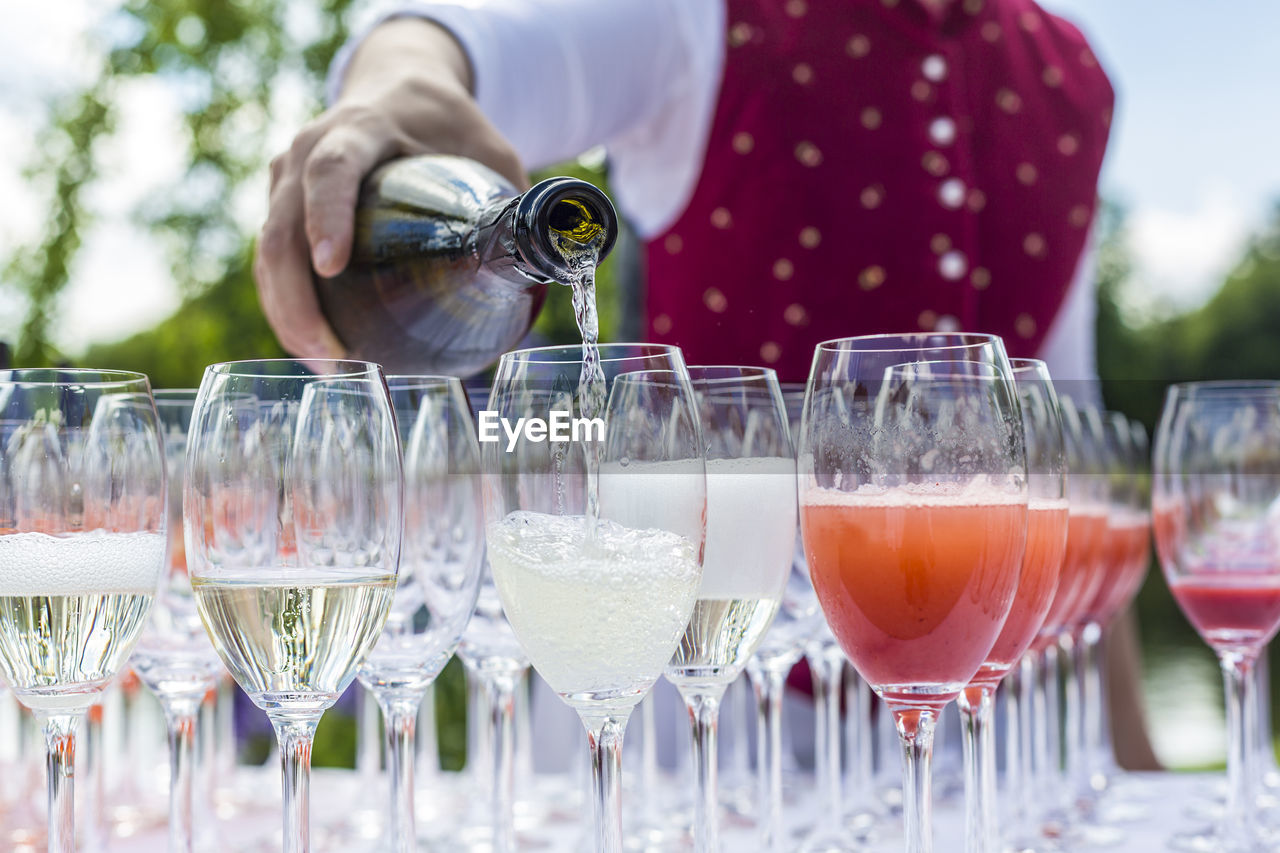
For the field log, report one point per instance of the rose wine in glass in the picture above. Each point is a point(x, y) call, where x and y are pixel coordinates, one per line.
point(1216, 484)
point(913, 494)
point(1047, 521)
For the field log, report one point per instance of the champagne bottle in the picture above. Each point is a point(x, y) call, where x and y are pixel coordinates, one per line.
point(449, 264)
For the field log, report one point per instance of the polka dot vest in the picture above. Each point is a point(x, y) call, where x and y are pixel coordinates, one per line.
point(881, 166)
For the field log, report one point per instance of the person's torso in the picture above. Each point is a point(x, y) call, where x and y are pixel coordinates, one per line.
point(872, 169)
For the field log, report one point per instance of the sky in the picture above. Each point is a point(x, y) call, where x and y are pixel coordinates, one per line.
point(1192, 156)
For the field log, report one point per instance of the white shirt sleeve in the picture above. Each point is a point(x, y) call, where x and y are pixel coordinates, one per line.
point(1069, 348)
point(560, 76)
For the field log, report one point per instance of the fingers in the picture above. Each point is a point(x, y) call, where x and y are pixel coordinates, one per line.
point(283, 273)
point(331, 179)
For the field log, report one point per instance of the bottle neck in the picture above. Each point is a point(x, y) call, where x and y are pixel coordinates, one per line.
point(545, 234)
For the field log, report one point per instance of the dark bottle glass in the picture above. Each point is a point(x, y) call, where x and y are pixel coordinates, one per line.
point(449, 265)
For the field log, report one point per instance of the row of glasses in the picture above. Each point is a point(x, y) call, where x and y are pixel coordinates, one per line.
point(1046, 543)
point(913, 495)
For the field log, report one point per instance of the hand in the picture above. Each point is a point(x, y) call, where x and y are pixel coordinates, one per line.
point(407, 91)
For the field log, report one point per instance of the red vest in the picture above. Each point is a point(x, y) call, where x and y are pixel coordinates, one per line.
point(875, 167)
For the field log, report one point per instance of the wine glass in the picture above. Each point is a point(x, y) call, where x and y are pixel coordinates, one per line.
point(1039, 671)
point(174, 657)
point(82, 538)
point(293, 524)
point(778, 652)
point(1216, 490)
point(751, 534)
point(1123, 549)
point(496, 669)
point(596, 517)
point(1038, 579)
point(439, 571)
point(913, 495)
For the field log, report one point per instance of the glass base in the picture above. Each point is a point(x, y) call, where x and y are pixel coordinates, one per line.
point(1212, 841)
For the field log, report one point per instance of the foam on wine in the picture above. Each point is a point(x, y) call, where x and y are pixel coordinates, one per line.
point(71, 610)
point(600, 617)
point(80, 563)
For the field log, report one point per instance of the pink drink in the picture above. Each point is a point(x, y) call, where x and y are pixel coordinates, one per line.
point(1233, 611)
point(916, 588)
point(1037, 583)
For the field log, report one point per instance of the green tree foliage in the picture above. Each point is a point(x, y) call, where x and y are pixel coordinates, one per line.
point(1232, 336)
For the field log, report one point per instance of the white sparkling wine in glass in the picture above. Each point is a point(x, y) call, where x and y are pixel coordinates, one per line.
point(290, 635)
point(71, 610)
point(598, 618)
point(751, 523)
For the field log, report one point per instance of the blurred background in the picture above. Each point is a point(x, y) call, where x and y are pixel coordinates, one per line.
point(136, 137)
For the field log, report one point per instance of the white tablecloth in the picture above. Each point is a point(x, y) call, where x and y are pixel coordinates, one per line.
point(1169, 803)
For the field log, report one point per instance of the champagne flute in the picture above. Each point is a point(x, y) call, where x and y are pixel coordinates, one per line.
point(293, 524)
point(174, 657)
point(595, 538)
point(439, 572)
point(913, 495)
point(1041, 561)
point(751, 534)
point(1216, 489)
point(82, 527)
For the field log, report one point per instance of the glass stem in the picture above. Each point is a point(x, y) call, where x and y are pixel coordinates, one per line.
point(181, 712)
point(1237, 821)
point(207, 762)
point(368, 741)
point(225, 713)
point(95, 751)
point(1021, 778)
point(523, 737)
point(704, 714)
point(649, 763)
point(768, 684)
point(479, 735)
point(915, 729)
point(294, 733)
point(826, 663)
point(1049, 730)
point(859, 728)
point(502, 719)
point(604, 734)
point(1266, 761)
point(427, 741)
point(400, 722)
point(1072, 688)
point(60, 743)
point(1097, 743)
point(977, 717)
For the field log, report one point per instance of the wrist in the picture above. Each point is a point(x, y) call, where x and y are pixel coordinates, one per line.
point(406, 49)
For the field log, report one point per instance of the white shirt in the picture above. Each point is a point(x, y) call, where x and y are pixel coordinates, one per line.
point(640, 77)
